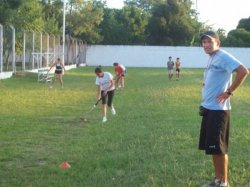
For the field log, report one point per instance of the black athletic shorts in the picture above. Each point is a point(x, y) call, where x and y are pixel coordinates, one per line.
point(109, 95)
point(214, 132)
point(58, 71)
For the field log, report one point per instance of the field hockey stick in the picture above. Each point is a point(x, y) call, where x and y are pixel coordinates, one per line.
point(96, 103)
point(83, 119)
point(48, 71)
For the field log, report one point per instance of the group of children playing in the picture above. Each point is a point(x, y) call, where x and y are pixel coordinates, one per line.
point(106, 83)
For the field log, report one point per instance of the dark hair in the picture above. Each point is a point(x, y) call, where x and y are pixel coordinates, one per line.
point(58, 59)
point(169, 57)
point(115, 64)
point(98, 70)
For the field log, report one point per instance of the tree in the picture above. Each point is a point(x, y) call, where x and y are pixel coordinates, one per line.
point(222, 36)
point(238, 38)
point(145, 5)
point(7, 9)
point(172, 23)
point(135, 24)
point(29, 16)
point(84, 20)
point(124, 26)
point(52, 13)
point(244, 23)
point(112, 28)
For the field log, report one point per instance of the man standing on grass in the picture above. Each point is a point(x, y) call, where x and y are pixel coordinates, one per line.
point(177, 68)
point(217, 89)
point(105, 89)
point(170, 66)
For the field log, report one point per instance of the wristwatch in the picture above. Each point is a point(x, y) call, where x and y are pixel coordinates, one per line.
point(229, 92)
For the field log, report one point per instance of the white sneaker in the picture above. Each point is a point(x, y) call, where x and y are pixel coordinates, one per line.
point(104, 119)
point(113, 111)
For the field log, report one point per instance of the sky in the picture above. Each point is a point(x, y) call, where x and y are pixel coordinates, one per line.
point(218, 13)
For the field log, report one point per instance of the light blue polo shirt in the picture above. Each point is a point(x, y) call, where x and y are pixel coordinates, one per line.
point(217, 79)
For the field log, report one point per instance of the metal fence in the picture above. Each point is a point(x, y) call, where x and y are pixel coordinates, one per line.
point(34, 50)
point(7, 48)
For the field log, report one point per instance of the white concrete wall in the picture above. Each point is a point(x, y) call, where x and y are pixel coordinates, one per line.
point(155, 56)
point(5, 75)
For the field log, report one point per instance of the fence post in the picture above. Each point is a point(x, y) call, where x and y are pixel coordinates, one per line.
point(24, 51)
point(54, 48)
point(80, 44)
point(1, 48)
point(41, 50)
point(47, 54)
point(13, 49)
point(85, 51)
point(76, 51)
point(33, 49)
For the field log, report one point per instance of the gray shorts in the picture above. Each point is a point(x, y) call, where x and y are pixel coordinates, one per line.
point(170, 71)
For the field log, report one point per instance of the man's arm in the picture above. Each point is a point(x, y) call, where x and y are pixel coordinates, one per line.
point(241, 75)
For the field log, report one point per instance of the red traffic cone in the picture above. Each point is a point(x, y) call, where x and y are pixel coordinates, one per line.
point(64, 165)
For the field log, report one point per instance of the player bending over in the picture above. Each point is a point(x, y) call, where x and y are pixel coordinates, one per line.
point(120, 72)
point(105, 89)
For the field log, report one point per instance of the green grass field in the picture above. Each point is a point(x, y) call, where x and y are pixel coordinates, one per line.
point(151, 142)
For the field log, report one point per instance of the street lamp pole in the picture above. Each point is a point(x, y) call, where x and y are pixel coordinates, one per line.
point(63, 50)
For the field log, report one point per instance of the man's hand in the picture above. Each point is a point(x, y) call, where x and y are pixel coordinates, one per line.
point(222, 97)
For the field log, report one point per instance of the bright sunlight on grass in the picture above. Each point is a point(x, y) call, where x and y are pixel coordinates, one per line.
point(151, 142)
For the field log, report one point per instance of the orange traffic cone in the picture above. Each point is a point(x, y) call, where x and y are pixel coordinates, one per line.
point(64, 165)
